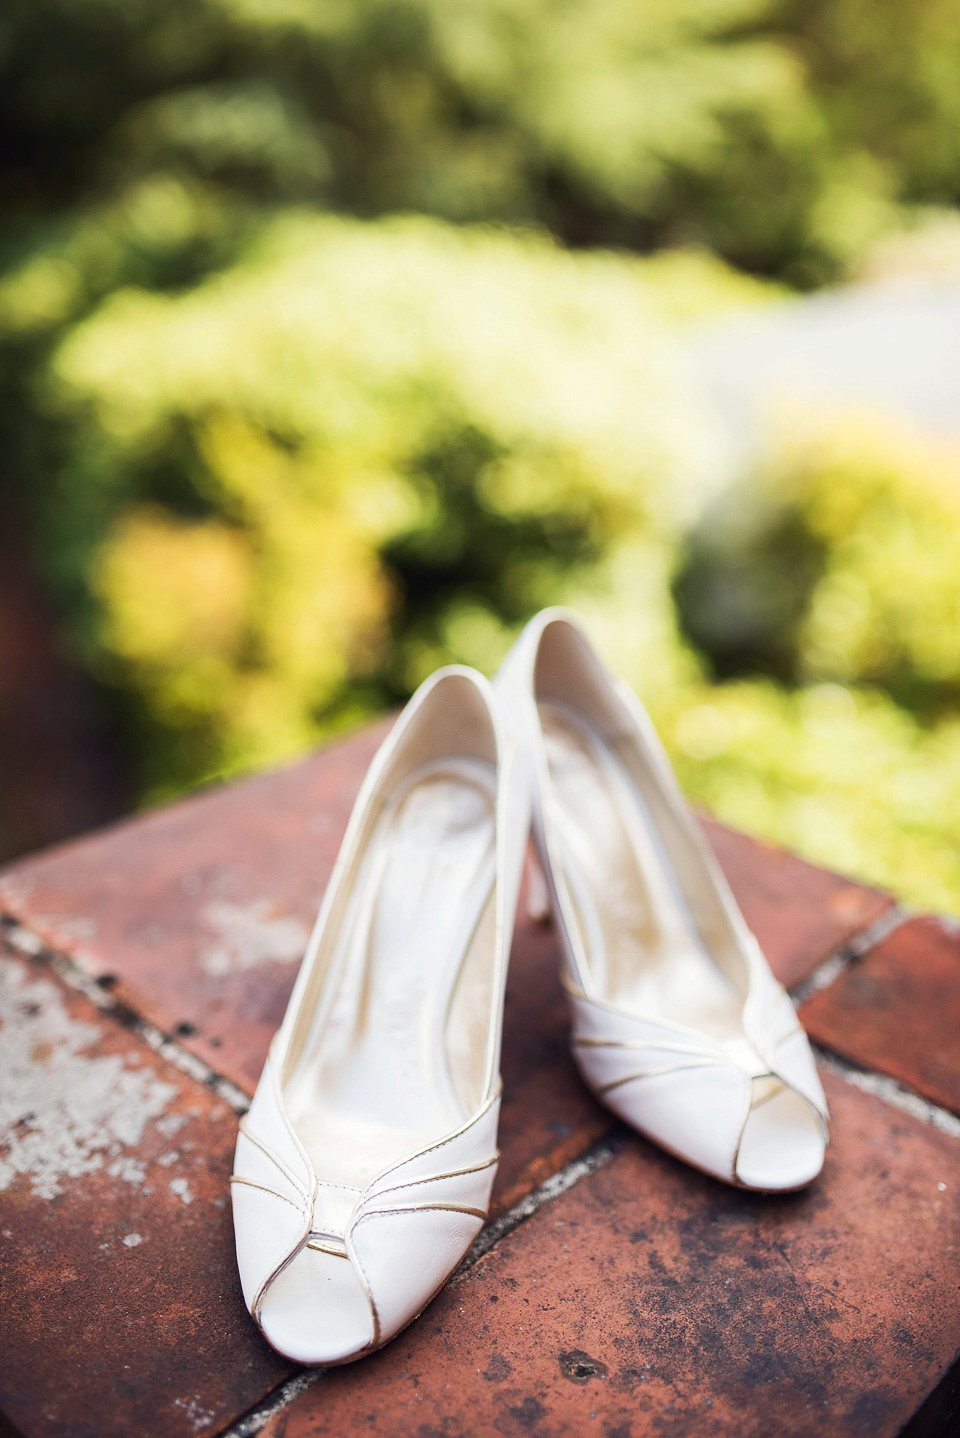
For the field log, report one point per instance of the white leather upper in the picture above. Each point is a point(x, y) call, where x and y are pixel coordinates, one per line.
point(690, 1092)
point(401, 1235)
point(331, 1270)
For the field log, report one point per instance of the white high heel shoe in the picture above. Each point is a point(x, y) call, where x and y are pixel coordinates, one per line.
point(364, 1167)
point(678, 1024)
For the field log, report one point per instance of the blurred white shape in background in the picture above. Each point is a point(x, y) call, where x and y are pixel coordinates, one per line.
point(891, 345)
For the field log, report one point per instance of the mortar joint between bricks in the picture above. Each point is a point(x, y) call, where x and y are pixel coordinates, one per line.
point(596, 1157)
point(890, 1090)
point(26, 942)
point(257, 1418)
point(851, 951)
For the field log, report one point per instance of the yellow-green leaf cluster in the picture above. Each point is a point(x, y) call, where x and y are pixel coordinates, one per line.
point(318, 403)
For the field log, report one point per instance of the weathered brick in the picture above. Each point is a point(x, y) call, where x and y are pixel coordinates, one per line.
point(756, 1315)
point(799, 913)
point(200, 911)
point(650, 1300)
point(121, 1310)
point(548, 1117)
point(898, 1010)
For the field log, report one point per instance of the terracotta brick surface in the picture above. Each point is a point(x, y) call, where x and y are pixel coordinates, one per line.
point(756, 1316)
point(651, 1300)
point(120, 1311)
point(201, 910)
point(547, 1117)
point(799, 913)
point(898, 1010)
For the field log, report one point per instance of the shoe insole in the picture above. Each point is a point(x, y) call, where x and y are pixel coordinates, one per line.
point(395, 1055)
point(642, 947)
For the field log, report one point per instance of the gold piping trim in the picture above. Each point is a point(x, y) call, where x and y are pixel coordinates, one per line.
point(261, 1291)
point(450, 1138)
point(646, 1044)
point(274, 1158)
point(248, 1183)
point(334, 1246)
point(423, 1208)
point(435, 1177)
point(774, 1093)
point(656, 1073)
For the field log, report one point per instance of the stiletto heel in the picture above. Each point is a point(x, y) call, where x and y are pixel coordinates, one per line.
point(538, 895)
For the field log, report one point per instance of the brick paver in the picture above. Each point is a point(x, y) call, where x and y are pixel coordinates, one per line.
point(201, 910)
point(127, 1314)
point(650, 1300)
point(547, 1116)
point(799, 913)
point(898, 1010)
point(121, 1310)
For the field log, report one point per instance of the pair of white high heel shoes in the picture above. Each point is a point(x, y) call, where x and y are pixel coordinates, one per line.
point(365, 1164)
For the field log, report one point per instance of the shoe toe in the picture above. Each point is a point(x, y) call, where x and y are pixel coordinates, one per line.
point(316, 1310)
point(783, 1144)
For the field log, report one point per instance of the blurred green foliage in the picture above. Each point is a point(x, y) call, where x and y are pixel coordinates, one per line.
point(363, 450)
point(281, 450)
point(850, 749)
point(838, 562)
point(781, 135)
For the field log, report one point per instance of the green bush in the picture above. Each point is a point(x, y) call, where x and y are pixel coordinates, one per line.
point(784, 136)
point(845, 776)
point(853, 755)
point(363, 450)
point(837, 562)
point(367, 449)
point(276, 463)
